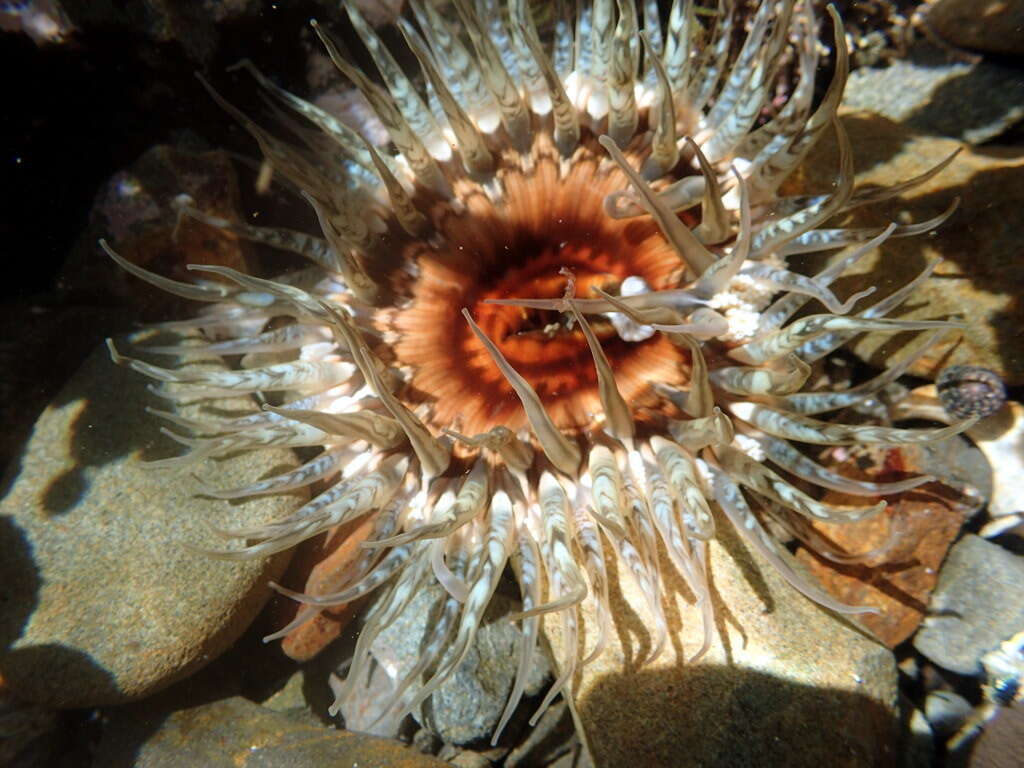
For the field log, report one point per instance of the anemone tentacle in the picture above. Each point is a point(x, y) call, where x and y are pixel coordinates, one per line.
point(552, 318)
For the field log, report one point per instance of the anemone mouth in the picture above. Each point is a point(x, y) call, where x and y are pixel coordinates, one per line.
point(549, 229)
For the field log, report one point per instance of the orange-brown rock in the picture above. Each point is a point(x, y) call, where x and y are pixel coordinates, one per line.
point(327, 573)
point(908, 543)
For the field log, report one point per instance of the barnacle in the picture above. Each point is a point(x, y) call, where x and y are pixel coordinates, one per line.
point(970, 390)
point(554, 317)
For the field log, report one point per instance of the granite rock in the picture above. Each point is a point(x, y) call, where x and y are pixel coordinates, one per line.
point(106, 598)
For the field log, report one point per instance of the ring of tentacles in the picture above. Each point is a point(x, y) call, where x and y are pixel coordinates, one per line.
point(551, 317)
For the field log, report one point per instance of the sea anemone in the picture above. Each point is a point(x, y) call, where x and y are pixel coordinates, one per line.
point(553, 317)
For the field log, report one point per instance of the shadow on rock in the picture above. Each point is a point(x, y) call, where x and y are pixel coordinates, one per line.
point(66, 665)
point(19, 582)
point(711, 716)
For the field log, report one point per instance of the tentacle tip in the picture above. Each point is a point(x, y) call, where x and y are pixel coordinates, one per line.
point(106, 247)
point(243, 63)
point(698, 656)
point(203, 551)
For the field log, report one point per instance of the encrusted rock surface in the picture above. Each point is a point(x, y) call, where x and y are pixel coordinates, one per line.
point(105, 598)
point(781, 672)
point(137, 211)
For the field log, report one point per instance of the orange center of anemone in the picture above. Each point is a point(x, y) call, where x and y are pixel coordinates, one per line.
point(523, 246)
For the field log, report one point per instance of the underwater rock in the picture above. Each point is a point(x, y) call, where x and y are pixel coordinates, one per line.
point(992, 26)
point(26, 732)
point(931, 93)
point(467, 707)
point(552, 739)
point(137, 210)
point(911, 538)
point(980, 244)
point(236, 732)
point(946, 712)
point(917, 747)
point(999, 744)
point(45, 341)
point(192, 25)
point(977, 604)
point(103, 599)
point(781, 671)
point(324, 569)
point(44, 21)
point(1001, 438)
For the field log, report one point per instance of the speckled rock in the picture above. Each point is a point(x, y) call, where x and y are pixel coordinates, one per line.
point(236, 733)
point(784, 683)
point(977, 604)
point(105, 599)
point(981, 273)
point(930, 92)
point(993, 26)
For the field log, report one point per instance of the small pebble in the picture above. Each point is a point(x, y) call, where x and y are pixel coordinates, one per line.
point(946, 711)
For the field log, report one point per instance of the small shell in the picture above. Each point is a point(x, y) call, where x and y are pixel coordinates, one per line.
point(969, 390)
